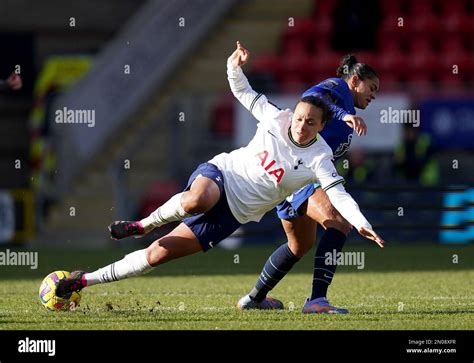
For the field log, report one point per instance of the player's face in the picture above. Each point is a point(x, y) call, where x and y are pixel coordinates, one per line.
point(306, 123)
point(365, 91)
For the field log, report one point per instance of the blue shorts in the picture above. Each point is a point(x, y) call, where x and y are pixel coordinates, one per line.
point(218, 223)
point(289, 208)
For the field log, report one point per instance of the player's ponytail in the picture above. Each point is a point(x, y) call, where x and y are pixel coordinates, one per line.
point(349, 66)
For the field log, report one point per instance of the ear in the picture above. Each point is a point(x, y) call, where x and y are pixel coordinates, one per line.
point(354, 80)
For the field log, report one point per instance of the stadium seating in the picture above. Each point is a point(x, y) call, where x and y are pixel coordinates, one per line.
point(222, 117)
point(419, 41)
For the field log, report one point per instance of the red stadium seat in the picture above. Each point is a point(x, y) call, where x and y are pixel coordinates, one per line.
point(452, 7)
point(391, 8)
point(369, 58)
point(321, 44)
point(222, 117)
point(419, 43)
point(302, 29)
point(323, 27)
point(449, 81)
point(295, 64)
point(423, 63)
point(324, 8)
point(469, 42)
point(268, 63)
point(394, 25)
point(449, 44)
point(295, 46)
point(457, 24)
point(463, 61)
point(389, 44)
point(421, 7)
point(158, 194)
point(388, 80)
point(292, 83)
point(325, 64)
point(424, 24)
point(419, 80)
point(394, 62)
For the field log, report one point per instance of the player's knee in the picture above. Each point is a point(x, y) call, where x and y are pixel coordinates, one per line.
point(196, 203)
point(157, 254)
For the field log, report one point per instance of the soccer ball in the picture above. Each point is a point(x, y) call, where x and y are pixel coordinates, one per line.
point(47, 293)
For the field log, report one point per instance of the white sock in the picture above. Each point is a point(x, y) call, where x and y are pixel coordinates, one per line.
point(132, 264)
point(171, 211)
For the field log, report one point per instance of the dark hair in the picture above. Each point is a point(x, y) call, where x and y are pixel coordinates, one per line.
point(349, 66)
point(319, 103)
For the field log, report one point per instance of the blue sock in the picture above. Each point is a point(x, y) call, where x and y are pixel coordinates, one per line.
point(331, 240)
point(277, 266)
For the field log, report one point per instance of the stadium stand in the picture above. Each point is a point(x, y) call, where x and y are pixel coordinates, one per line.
point(111, 173)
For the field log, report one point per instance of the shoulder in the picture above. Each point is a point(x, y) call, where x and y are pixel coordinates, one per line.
point(324, 149)
point(319, 152)
point(329, 85)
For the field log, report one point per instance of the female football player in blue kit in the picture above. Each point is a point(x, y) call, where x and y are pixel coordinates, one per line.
point(237, 187)
point(354, 86)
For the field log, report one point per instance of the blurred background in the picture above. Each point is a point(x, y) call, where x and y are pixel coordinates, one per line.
point(150, 78)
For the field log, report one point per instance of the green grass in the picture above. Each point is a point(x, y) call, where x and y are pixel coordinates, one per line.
point(400, 287)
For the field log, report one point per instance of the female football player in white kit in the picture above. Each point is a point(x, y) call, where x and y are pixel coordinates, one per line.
point(235, 188)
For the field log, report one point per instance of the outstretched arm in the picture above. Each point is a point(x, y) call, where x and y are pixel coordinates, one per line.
point(255, 102)
point(331, 182)
point(349, 209)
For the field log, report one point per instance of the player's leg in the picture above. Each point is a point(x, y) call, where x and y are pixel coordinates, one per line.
point(320, 209)
point(178, 243)
point(301, 233)
point(197, 233)
point(200, 196)
point(280, 263)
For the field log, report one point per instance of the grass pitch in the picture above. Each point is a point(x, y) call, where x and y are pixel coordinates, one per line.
point(401, 287)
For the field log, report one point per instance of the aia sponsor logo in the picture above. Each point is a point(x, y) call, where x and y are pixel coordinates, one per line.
point(269, 166)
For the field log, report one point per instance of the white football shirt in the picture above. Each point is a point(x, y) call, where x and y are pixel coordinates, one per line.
point(272, 166)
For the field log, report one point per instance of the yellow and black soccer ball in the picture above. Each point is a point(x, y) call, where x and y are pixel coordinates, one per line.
point(48, 297)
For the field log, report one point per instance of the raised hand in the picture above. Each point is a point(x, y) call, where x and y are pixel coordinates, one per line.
point(14, 82)
point(240, 56)
point(357, 123)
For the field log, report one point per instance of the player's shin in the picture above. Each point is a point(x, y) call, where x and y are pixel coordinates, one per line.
point(133, 264)
point(276, 267)
point(331, 243)
point(171, 211)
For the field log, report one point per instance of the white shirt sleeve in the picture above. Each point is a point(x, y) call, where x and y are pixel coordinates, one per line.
point(331, 182)
point(343, 202)
point(255, 102)
point(326, 172)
